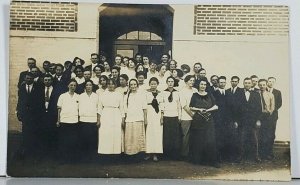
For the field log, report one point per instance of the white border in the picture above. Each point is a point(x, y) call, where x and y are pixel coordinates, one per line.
point(295, 65)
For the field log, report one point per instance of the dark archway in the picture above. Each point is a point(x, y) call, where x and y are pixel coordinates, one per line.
point(118, 22)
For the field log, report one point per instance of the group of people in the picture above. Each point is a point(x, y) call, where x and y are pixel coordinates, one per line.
point(142, 107)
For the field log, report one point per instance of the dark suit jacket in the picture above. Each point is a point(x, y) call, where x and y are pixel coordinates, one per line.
point(250, 110)
point(29, 105)
point(61, 86)
point(223, 114)
point(50, 114)
point(234, 103)
point(21, 78)
point(278, 103)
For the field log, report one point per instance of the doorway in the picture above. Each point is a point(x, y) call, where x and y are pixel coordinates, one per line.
point(128, 29)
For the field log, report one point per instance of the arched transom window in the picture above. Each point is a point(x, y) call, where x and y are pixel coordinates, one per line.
point(140, 35)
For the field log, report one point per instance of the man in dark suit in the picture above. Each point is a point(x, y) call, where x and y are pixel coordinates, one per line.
point(28, 112)
point(222, 121)
point(38, 80)
point(254, 80)
point(48, 130)
point(214, 84)
point(31, 62)
point(274, 116)
point(61, 79)
point(250, 111)
point(94, 60)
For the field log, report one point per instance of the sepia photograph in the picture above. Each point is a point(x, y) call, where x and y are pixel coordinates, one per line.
point(160, 91)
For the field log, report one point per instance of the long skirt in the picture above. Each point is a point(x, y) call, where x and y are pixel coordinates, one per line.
point(154, 132)
point(135, 140)
point(110, 131)
point(203, 149)
point(171, 137)
point(88, 133)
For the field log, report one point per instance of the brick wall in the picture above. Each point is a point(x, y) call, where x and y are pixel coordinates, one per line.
point(258, 20)
point(43, 16)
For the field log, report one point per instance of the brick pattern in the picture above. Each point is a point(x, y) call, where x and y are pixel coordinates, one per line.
point(43, 16)
point(265, 20)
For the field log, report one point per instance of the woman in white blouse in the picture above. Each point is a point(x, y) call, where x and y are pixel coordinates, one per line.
point(110, 120)
point(67, 121)
point(88, 105)
point(135, 119)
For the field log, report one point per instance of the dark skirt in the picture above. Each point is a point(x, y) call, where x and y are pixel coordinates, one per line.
point(68, 142)
point(203, 148)
point(88, 134)
point(171, 137)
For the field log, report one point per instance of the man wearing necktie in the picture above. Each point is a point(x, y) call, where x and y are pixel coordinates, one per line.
point(48, 129)
point(265, 134)
point(250, 111)
point(28, 112)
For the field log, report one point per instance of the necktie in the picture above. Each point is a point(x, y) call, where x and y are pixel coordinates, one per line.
point(154, 103)
point(28, 89)
point(47, 95)
point(170, 98)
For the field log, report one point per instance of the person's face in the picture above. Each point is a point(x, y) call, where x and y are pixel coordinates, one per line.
point(77, 62)
point(123, 82)
point(140, 68)
point(72, 86)
point(47, 81)
point(254, 81)
point(131, 64)
point(52, 69)
point(67, 65)
point(133, 85)
point(111, 86)
point(153, 85)
point(114, 73)
point(98, 71)
point(174, 73)
point(118, 61)
point(46, 66)
point(58, 71)
point(35, 72)
point(271, 82)
point(138, 58)
point(153, 67)
point(89, 87)
point(202, 86)
point(163, 70)
point(172, 65)
point(214, 81)
point(102, 58)
point(234, 82)
point(94, 59)
point(125, 61)
point(146, 60)
point(141, 79)
point(170, 83)
point(191, 82)
point(247, 84)
point(197, 68)
point(79, 73)
point(102, 82)
point(29, 80)
point(222, 83)
point(202, 73)
point(31, 63)
point(262, 85)
point(87, 75)
point(106, 65)
point(164, 58)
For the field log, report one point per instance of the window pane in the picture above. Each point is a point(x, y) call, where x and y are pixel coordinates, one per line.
point(132, 35)
point(155, 37)
point(144, 35)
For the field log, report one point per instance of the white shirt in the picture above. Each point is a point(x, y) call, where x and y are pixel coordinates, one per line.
point(106, 73)
point(185, 99)
point(111, 100)
point(50, 91)
point(80, 80)
point(137, 102)
point(69, 107)
point(29, 88)
point(222, 91)
point(233, 89)
point(171, 109)
point(95, 80)
point(88, 105)
point(247, 94)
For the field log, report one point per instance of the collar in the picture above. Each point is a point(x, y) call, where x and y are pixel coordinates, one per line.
point(170, 91)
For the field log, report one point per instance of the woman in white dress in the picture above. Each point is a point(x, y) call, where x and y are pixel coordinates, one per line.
point(162, 77)
point(110, 120)
point(107, 70)
point(154, 131)
point(135, 104)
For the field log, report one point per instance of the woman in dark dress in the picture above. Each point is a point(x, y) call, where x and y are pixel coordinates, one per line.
point(202, 133)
